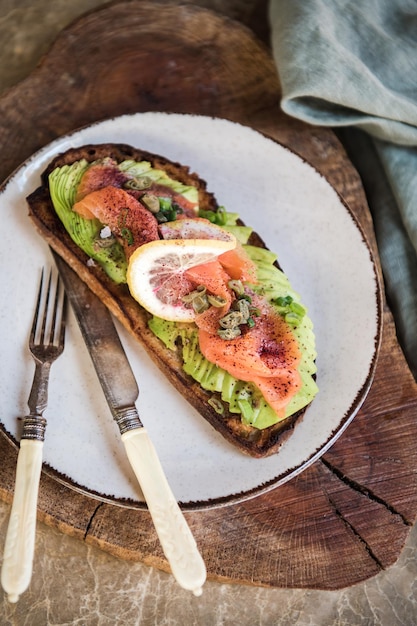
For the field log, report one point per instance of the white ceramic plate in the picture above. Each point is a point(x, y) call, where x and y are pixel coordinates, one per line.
point(320, 247)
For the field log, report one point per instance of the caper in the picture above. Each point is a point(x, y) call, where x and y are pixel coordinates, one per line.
point(217, 405)
point(243, 307)
point(236, 286)
point(200, 304)
point(229, 333)
point(216, 301)
point(139, 183)
point(189, 297)
point(102, 244)
point(151, 202)
point(231, 320)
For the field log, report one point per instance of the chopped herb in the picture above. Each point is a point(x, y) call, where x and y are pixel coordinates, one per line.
point(292, 318)
point(218, 217)
point(283, 300)
point(292, 311)
point(298, 309)
point(162, 207)
point(127, 235)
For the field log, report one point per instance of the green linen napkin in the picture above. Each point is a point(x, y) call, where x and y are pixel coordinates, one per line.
point(352, 65)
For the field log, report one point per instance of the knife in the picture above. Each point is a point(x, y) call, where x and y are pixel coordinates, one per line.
point(121, 391)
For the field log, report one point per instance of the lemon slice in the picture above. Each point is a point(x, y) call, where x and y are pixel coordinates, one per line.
point(156, 273)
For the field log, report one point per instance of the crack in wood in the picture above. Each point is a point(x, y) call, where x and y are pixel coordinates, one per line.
point(90, 521)
point(355, 533)
point(352, 484)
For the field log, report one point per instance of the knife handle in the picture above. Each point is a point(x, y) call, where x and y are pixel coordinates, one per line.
point(20, 537)
point(177, 541)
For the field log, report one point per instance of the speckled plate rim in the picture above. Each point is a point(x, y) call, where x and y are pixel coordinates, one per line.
point(108, 130)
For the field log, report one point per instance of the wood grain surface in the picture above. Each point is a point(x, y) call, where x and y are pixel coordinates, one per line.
point(345, 518)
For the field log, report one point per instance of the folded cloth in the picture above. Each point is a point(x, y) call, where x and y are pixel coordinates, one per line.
point(352, 64)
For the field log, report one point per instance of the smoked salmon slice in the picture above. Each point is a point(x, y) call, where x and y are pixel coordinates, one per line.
point(238, 264)
point(266, 354)
point(98, 176)
point(127, 218)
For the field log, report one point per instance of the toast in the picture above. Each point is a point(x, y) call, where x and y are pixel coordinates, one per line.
point(247, 438)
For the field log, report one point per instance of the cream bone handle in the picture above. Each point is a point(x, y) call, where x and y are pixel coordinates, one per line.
point(20, 537)
point(177, 541)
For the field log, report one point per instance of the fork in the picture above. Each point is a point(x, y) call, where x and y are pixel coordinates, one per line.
point(46, 343)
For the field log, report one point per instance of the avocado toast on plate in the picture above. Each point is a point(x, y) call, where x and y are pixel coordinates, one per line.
point(190, 281)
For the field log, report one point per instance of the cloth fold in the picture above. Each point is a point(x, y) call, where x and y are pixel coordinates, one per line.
point(353, 65)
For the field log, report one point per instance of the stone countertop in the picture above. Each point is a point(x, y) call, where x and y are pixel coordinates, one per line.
point(74, 583)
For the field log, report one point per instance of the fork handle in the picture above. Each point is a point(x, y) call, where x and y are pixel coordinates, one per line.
point(20, 537)
point(176, 539)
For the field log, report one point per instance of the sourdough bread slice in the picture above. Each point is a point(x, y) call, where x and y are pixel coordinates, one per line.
point(250, 440)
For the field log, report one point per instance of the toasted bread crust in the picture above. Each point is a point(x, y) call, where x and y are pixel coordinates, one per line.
point(251, 441)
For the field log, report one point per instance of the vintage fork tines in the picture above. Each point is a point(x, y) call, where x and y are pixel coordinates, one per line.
point(53, 313)
point(46, 343)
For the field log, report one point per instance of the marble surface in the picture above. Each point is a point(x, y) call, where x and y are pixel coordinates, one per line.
point(74, 583)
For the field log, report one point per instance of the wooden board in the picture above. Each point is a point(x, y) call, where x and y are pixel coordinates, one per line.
point(345, 518)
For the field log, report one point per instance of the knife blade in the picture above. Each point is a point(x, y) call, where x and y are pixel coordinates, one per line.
point(121, 391)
